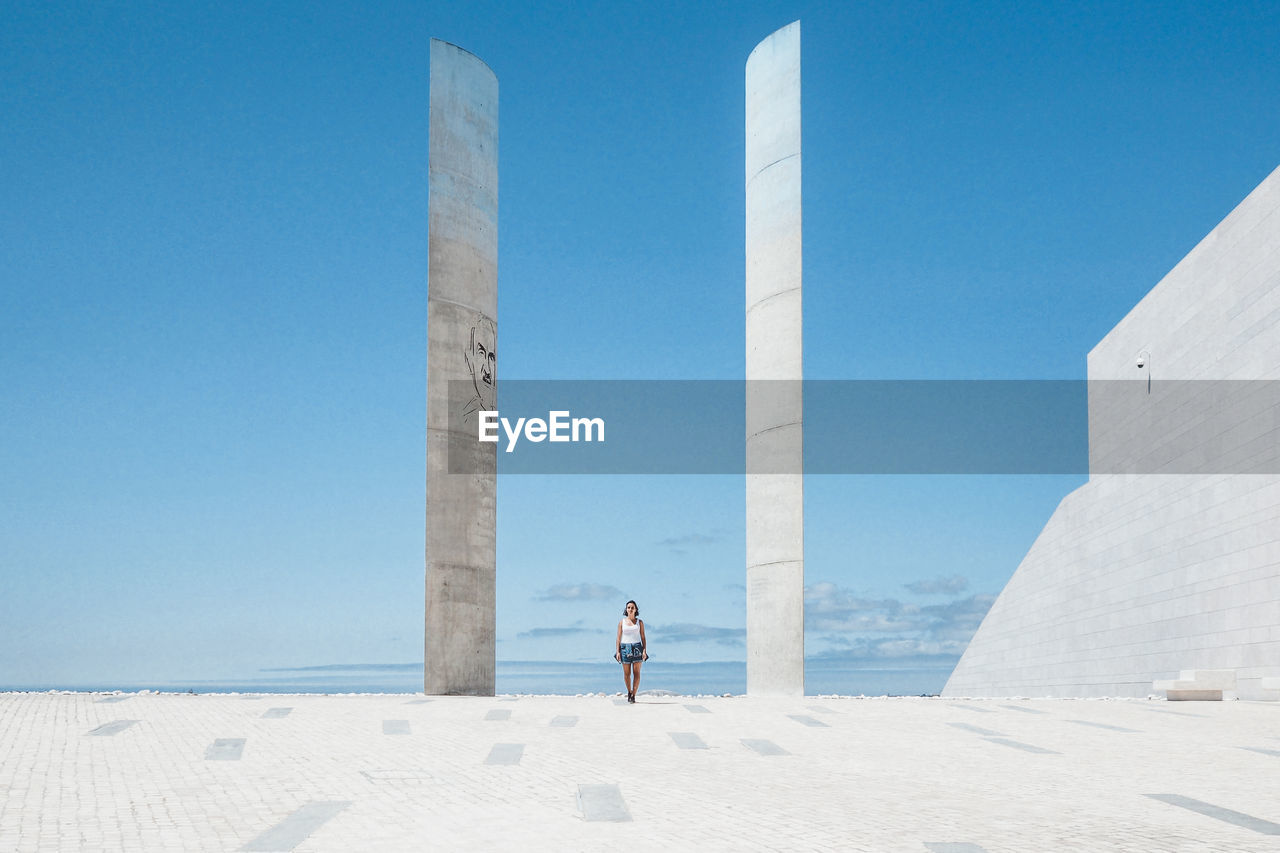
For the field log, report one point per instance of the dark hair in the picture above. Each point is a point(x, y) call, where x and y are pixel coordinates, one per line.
point(624, 608)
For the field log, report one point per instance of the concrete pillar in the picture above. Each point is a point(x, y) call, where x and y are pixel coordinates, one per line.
point(462, 333)
point(775, 369)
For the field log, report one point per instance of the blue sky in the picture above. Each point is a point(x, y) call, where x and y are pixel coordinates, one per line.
point(213, 301)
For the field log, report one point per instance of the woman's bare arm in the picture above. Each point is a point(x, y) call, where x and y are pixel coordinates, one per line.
point(644, 646)
point(617, 644)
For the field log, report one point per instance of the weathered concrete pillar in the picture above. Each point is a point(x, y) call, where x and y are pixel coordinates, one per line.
point(462, 332)
point(775, 369)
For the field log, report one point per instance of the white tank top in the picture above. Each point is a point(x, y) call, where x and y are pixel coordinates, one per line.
point(630, 633)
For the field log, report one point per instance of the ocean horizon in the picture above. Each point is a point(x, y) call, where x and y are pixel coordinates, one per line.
point(717, 678)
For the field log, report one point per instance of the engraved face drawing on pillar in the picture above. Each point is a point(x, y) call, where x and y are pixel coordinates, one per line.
point(481, 357)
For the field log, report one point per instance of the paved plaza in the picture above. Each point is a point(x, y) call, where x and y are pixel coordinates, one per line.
point(402, 772)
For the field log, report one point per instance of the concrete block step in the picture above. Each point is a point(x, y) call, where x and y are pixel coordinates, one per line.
point(1199, 685)
point(1176, 695)
point(1216, 679)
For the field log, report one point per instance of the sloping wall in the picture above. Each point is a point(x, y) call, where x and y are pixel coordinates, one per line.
point(1169, 557)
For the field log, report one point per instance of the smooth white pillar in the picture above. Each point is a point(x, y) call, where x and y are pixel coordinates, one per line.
point(774, 369)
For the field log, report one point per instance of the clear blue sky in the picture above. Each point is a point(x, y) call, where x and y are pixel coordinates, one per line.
point(213, 258)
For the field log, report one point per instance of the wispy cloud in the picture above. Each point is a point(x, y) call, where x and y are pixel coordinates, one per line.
point(580, 592)
point(939, 586)
point(827, 607)
point(690, 539)
point(960, 618)
point(348, 667)
point(689, 632)
point(899, 650)
point(543, 633)
point(860, 628)
point(680, 545)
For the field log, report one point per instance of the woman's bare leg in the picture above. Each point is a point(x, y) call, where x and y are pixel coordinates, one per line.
point(635, 678)
point(626, 676)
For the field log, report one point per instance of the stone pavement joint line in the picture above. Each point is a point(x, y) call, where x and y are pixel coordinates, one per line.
point(1241, 819)
point(297, 827)
point(978, 730)
point(398, 775)
point(602, 803)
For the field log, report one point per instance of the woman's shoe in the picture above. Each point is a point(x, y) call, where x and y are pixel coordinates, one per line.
point(631, 697)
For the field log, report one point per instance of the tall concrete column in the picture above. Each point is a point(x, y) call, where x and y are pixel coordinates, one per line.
point(462, 333)
point(775, 370)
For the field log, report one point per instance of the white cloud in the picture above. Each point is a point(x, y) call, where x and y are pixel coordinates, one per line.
point(690, 539)
point(581, 592)
point(543, 633)
point(887, 629)
point(939, 586)
point(689, 632)
point(827, 607)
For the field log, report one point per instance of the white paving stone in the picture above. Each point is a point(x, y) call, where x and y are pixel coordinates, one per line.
point(882, 775)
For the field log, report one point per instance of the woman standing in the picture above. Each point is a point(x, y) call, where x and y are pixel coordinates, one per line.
point(631, 648)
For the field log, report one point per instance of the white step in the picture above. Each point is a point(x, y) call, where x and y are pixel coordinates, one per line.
point(1216, 679)
point(1199, 685)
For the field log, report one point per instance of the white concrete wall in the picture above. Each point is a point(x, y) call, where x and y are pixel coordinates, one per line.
point(462, 311)
point(1139, 575)
point(774, 369)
